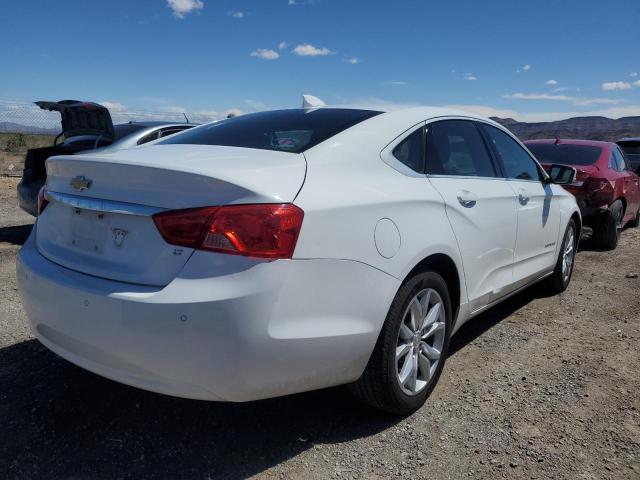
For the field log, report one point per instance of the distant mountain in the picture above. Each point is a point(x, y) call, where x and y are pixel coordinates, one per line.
point(11, 127)
point(587, 128)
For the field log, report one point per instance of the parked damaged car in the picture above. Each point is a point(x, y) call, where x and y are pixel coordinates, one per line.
point(606, 188)
point(86, 127)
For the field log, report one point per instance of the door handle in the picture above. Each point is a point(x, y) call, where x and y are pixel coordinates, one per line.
point(523, 197)
point(467, 199)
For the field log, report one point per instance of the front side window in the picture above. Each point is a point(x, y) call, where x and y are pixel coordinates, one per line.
point(294, 130)
point(411, 151)
point(455, 147)
point(517, 163)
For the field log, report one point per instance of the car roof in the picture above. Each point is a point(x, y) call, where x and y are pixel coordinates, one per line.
point(571, 141)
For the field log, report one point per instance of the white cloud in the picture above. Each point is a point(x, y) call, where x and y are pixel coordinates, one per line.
point(470, 76)
point(352, 60)
point(113, 107)
point(633, 74)
point(237, 14)
point(396, 83)
point(181, 7)
point(265, 54)
point(538, 96)
point(551, 82)
point(580, 102)
point(488, 111)
point(255, 105)
point(526, 68)
point(636, 83)
point(608, 86)
point(234, 112)
point(282, 45)
point(307, 50)
point(559, 89)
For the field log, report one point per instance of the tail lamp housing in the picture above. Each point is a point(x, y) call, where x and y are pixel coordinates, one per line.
point(255, 230)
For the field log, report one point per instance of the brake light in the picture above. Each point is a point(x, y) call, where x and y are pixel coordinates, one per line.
point(42, 201)
point(264, 230)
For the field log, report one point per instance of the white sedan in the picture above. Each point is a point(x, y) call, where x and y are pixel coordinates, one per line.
point(292, 250)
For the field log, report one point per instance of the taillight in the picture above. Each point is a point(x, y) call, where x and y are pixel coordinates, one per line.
point(42, 201)
point(264, 230)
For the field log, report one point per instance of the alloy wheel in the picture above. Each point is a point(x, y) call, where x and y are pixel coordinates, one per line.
point(568, 256)
point(420, 341)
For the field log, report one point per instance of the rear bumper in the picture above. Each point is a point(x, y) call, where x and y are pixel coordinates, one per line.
point(257, 330)
point(28, 196)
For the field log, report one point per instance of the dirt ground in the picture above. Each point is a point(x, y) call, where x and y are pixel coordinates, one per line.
point(535, 388)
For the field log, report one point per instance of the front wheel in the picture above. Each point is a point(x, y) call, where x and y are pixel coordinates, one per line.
point(561, 276)
point(412, 347)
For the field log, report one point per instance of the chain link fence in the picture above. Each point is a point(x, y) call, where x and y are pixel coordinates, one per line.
point(25, 125)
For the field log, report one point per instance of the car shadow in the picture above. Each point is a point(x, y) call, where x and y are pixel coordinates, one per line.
point(15, 235)
point(59, 421)
point(475, 327)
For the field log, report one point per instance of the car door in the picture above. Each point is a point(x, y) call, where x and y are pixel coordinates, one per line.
point(630, 183)
point(480, 206)
point(538, 224)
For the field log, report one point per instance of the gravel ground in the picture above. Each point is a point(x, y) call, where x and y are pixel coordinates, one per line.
point(538, 387)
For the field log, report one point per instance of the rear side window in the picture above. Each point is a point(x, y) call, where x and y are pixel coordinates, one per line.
point(564, 153)
point(455, 147)
point(617, 161)
point(411, 151)
point(517, 163)
point(293, 130)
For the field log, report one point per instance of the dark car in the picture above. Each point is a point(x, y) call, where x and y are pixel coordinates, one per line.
point(606, 188)
point(631, 148)
point(86, 126)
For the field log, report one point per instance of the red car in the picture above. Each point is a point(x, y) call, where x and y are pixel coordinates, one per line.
point(605, 187)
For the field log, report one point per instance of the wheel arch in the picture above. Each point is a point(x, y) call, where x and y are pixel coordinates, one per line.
point(575, 216)
point(443, 265)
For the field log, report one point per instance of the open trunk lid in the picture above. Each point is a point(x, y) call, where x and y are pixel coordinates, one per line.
point(82, 118)
point(99, 219)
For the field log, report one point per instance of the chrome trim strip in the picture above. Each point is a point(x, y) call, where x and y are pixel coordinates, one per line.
point(509, 294)
point(101, 205)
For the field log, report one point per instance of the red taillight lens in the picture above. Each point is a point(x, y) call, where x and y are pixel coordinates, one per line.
point(42, 201)
point(265, 231)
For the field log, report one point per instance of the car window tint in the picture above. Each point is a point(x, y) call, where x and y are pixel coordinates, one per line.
point(455, 147)
point(517, 163)
point(565, 153)
point(294, 130)
point(170, 131)
point(148, 138)
point(411, 152)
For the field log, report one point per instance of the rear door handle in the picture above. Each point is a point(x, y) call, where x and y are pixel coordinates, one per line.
point(467, 199)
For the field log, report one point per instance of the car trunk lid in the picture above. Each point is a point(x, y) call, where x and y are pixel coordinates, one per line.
point(81, 118)
point(100, 217)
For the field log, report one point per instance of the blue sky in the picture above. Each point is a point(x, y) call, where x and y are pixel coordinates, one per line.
point(533, 60)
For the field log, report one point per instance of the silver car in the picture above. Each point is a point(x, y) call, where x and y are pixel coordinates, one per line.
point(86, 127)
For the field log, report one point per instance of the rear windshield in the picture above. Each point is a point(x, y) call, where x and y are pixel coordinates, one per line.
point(284, 130)
point(565, 153)
point(630, 147)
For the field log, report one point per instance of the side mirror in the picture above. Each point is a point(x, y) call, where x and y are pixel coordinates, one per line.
point(562, 174)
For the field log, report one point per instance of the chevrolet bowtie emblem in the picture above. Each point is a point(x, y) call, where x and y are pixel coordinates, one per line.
point(80, 183)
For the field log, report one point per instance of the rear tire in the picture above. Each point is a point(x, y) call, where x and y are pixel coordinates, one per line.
point(606, 234)
point(381, 385)
point(561, 276)
point(635, 223)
